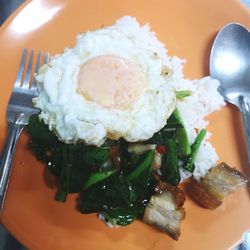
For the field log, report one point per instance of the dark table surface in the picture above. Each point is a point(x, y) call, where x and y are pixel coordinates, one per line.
point(7, 241)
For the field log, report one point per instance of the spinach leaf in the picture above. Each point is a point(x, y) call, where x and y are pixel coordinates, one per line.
point(96, 156)
point(121, 216)
point(40, 133)
point(74, 174)
point(64, 177)
point(113, 192)
point(120, 193)
point(142, 183)
point(63, 160)
point(54, 161)
point(160, 137)
point(168, 131)
point(169, 167)
point(44, 143)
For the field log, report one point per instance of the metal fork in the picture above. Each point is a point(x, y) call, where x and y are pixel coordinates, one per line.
point(19, 110)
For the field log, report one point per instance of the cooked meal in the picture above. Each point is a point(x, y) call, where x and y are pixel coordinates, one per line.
point(120, 125)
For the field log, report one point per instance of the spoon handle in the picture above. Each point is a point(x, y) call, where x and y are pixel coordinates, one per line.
point(244, 105)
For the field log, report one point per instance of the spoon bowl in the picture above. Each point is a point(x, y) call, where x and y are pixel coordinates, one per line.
point(230, 64)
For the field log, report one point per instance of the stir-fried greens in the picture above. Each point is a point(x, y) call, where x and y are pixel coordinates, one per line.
point(116, 179)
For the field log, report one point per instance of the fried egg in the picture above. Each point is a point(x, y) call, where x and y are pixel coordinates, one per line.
point(114, 83)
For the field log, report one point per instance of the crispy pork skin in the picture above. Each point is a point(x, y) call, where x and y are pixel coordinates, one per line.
point(222, 180)
point(165, 210)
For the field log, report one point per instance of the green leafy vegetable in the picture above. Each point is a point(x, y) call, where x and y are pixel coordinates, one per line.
point(145, 164)
point(195, 147)
point(121, 216)
point(113, 192)
point(63, 160)
point(181, 135)
point(54, 161)
point(174, 125)
point(64, 177)
point(121, 198)
point(97, 177)
point(143, 185)
point(181, 94)
point(119, 191)
point(170, 170)
point(166, 132)
point(96, 156)
point(74, 174)
point(42, 139)
point(40, 132)
point(61, 195)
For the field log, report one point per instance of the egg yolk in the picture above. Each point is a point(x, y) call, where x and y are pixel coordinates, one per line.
point(111, 81)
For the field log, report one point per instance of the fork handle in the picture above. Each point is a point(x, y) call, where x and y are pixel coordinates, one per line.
point(7, 157)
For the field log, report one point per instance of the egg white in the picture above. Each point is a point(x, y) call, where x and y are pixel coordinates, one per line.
point(74, 118)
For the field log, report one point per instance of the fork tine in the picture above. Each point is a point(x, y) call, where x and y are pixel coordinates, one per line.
point(46, 58)
point(38, 62)
point(21, 68)
point(28, 71)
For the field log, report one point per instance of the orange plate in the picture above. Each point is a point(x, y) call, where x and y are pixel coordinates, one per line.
point(188, 28)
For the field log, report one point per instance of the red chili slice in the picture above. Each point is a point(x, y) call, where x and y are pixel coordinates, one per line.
point(161, 149)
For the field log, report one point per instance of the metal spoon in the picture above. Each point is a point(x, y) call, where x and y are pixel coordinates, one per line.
point(230, 64)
